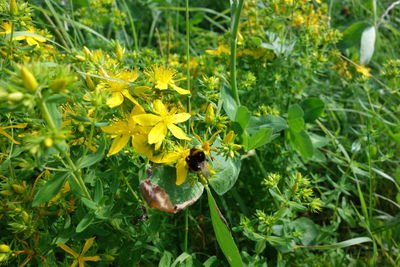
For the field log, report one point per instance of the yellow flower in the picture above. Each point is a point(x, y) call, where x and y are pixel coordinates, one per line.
point(365, 71)
point(6, 26)
point(79, 257)
point(221, 49)
point(123, 130)
point(163, 77)
point(119, 87)
point(161, 122)
point(31, 40)
point(2, 132)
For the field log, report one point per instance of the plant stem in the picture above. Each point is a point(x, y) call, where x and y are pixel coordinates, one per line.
point(76, 173)
point(185, 242)
point(187, 45)
point(234, 30)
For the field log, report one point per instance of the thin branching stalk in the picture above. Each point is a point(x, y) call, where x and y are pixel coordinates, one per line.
point(234, 30)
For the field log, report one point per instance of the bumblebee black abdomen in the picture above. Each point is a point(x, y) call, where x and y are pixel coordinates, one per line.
point(196, 159)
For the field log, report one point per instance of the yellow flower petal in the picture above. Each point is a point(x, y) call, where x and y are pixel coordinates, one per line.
point(128, 95)
point(68, 249)
point(165, 157)
point(116, 99)
point(87, 245)
point(160, 108)
point(180, 117)
point(179, 90)
point(181, 171)
point(177, 132)
point(21, 125)
point(147, 119)
point(161, 85)
point(9, 137)
point(158, 133)
point(91, 258)
point(118, 144)
point(137, 110)
point(74, 263)
point(118, 127)
point(139, 142)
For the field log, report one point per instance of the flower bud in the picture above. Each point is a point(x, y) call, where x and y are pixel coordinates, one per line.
point(28, 79)
point(15, 97)
point(229, 137)
point(210, 115)
point(90, 83)
point(48, 142)
point(19, 189)
point(4, 248)
point(6, 193)
point(13, 7)
point(59, 84)
point(25, 216)
point(87, 52)
point(120, 53)
point(80, 58)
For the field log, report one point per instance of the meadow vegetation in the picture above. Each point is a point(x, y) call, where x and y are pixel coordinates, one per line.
point(199, 133)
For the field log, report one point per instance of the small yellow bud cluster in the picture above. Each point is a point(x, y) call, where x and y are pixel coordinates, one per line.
point(29, 80)
point(5, 252)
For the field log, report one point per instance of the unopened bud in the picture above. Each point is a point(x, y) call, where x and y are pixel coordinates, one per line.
point(59, 84)
point(210, 115)
point(4, 248)
point(81, 128)
point(25, 216)
point(48, 142)
point(19, 189)
point(28, 79)
point(15, 97)
point(90, 83)
point(120, 53)
point(13, 7)
point(229, 137)
point(80, 58)
point(87, 52)
point(6, 193)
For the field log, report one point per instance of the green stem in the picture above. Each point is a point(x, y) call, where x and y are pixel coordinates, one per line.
point(234, 30)
point(132, 191)
point(76, 173)
point(132, 22)
point(185, 242)
point(187, 46)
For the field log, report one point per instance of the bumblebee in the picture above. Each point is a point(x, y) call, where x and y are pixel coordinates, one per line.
point(197, 161)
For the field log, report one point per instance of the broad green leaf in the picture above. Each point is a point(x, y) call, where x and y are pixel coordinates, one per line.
point(79, 118)
point(308, 229)
point(92, 158)
point(344, 244)
point(313, 108)
point(89, 203)
point(260, 138)
point(242, 116)
point(223, 235)
point(227, 172)
point(211, 260)
point(302, 143)
point(165, 177)
point(165, 259)
point(51, 188)
point(228, 103)
point(352, 35)
point(295, 118)
point(266, 121)
point(367, 47)
point(85, 222)
point(181, 258)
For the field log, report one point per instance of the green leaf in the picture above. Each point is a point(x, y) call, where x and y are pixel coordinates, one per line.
point(302, 143)
point(223, 235)
point(260, 138)
point(79, 118)
point(227, 172)
point(93, 158)
point(266, 121)
point(50, 189)
point(313, 108)
point(352, 35)
point(165, 259)
point(98, 192)
point(343, 244)
point(295, 118)
point(242, 116)
point(228, 103)
point(165, 177)
point(85, 222)
point(367, 48)
point(308, 229)
point(54, 113)
point(210, 261)
point(89, 203)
